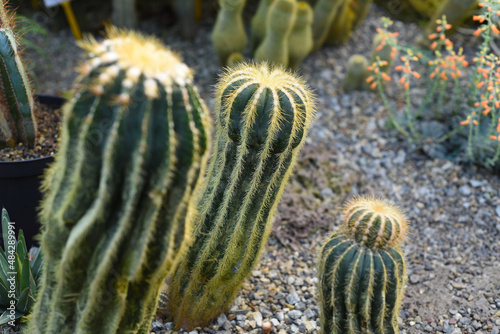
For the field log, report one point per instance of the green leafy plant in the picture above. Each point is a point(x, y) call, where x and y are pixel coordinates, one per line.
point(20, 274)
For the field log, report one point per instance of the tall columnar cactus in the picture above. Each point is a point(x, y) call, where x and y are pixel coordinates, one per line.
point(263, 118)
point(229, 34)
point(300, 42)
point(356, 73)
point(361, 8)
point(456, 12)
point(124, 14)
point(259, 23)
point(187, 11)
point(17, 120)
point(117, 199)
point(342, 25)
point(324, 14)
point(362, 270)
point(274, 48)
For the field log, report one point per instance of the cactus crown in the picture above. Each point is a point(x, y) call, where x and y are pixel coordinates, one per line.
point(374, 223)
point(282, 15)
point(139, 55)
point(304, 15)
point(250, 90)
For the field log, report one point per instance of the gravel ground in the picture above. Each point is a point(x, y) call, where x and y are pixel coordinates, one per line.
point(453, 252)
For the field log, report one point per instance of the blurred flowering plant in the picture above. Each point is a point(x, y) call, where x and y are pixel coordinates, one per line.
point(452, 103)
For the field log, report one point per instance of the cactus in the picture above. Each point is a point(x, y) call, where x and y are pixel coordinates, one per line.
point(263, 116)
point(342, 25)
point(117, 197)
point(362, 270)
point(361, 8)
point(274, 47)
point(124, 14)
point(324, 14)
point(356, 73)
point(229, 34)
point(300, 42)
point(187, 11)
point(384, 49)
point(259, 22)
point(17, 120)
point(234, 59)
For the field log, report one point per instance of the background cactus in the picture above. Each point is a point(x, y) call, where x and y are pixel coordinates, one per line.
point(116, 199)
point(361, 8)
point(342, 24)
point(229, 34)
point(259, 23)
point(187, 11)
point(356, 73)
point(300, 42)
point(234, 59)
point(124, 14)
point(263, 116)
point(274, 48)
point(362, 270)
point(456, 12)
point(324, 14)
point(17, 120)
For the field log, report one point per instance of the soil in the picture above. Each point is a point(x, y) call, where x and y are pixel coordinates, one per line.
point(48, 124)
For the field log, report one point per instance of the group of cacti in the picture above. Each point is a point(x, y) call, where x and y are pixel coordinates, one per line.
point(285, 31)
point(126, 204)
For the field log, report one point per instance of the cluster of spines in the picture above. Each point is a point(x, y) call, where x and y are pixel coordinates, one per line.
point(263, 116)
point(17, 119)
point(362, 270)
point(117, 199)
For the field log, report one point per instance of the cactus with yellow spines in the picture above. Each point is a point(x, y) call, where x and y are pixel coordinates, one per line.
point(229, 34)
point(263, 114)
point(362, 270)
point(342, 25)
point(274, 48)
point(356, 73)
point(118, 197)
point(259, 23)
point(324, 14)
point(17, 119)
point(300, 42)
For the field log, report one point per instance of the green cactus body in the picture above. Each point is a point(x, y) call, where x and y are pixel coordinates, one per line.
point(17, 120)
point(274, 48)
point(259, 23)
point(300, 42)
point(342, 25)
point(324, 14)
point(229, 34)
point(263, 117)
point(124, 14)
point(362, 270)
point(361, 8)
point(356, 73)
point(117, 197)
point(383, 49)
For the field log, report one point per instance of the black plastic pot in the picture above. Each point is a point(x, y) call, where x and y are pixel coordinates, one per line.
point(20, 186)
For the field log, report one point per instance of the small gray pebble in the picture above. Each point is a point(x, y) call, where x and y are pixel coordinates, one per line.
point(464, 190)
point(292, 298)
point(294, 314)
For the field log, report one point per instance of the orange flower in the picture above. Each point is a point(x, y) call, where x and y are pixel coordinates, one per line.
point(495, 29)
point(494, 137)
point(386, 77)
point(478, 32)
point(373, 85)
point(416, 75)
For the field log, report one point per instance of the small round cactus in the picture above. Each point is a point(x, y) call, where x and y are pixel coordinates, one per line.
point(362, 270)
point(356, 73)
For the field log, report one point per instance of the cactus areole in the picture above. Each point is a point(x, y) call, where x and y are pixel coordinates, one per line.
point(263, 116)
point(117, 198)
point(362, 271)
